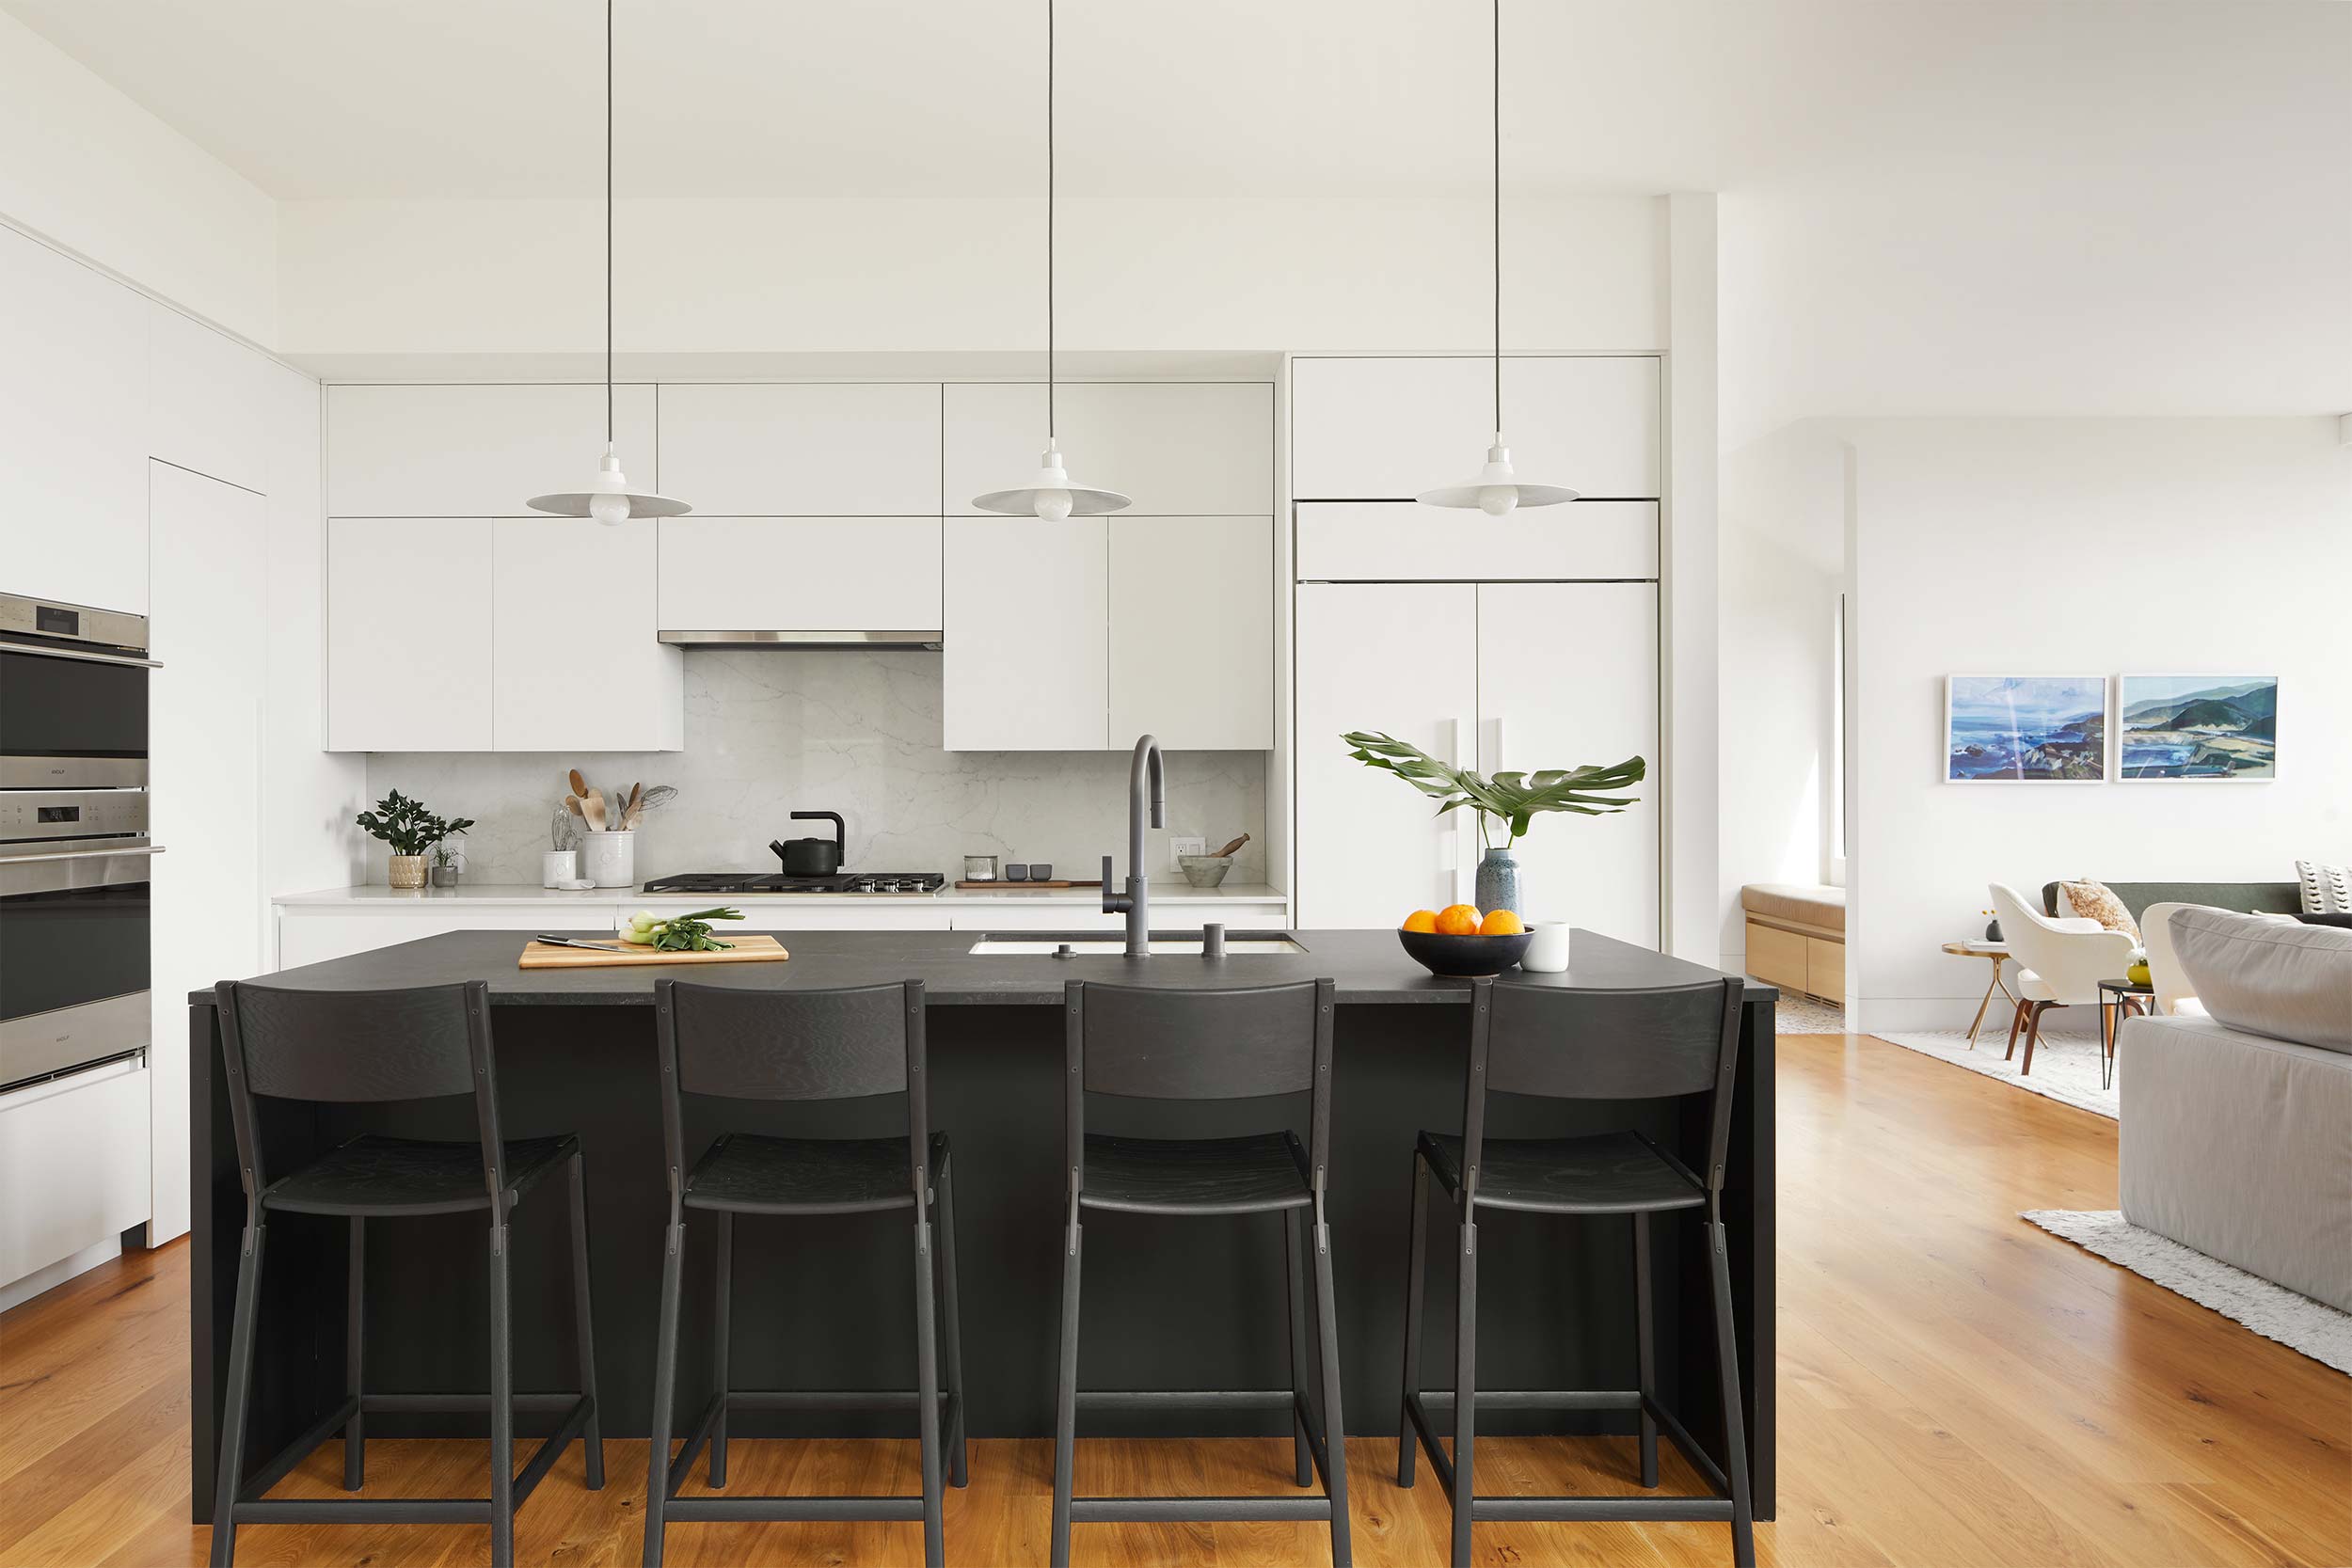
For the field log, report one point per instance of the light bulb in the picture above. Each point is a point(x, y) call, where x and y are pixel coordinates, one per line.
point(608, 509)
point(1053, 506)
point(1496, 500)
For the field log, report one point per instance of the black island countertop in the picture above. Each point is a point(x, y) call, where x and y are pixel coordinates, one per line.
point(1170, 1303)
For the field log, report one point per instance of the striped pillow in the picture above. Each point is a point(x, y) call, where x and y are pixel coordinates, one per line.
point(2327, 888)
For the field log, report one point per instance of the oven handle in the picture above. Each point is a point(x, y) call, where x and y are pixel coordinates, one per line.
point(47, 652)
point(81, 854)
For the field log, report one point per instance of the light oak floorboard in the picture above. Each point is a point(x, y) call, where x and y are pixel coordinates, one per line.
point(1957, 1390)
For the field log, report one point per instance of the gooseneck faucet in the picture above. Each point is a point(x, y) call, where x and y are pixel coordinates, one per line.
point(1147, 777)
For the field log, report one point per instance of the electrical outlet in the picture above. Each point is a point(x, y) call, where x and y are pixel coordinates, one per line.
point(1179, 848)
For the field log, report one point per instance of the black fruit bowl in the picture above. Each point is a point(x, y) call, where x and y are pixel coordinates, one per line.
point(1468, 956)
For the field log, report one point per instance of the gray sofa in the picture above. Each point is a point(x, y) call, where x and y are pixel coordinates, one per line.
point(2236, 1128)
point(2245, 897)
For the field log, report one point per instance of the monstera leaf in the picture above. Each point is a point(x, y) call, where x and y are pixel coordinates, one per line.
point(1511, 799)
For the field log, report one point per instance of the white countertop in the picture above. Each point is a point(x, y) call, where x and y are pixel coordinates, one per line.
point(1173, 890)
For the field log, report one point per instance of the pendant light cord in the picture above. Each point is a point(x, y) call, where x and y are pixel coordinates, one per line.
point(608, 222)
point(1498, 114)
point(1050, 431)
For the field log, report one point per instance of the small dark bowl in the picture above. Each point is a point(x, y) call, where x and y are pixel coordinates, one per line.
point(1466, 956)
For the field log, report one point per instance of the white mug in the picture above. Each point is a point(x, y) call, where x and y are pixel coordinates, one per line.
point(558, 867)
point(1548, 954)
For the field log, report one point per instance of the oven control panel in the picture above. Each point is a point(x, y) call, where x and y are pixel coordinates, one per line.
point(52, 814)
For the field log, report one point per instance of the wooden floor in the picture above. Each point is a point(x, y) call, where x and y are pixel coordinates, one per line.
point(1957, 1388)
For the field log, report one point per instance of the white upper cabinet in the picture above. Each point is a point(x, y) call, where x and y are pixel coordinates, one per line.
point(822, 450)
point(475, 452)
point(209, 400)
point(799, 574)
point(1176, 448)
point(1388, 429)
point(1192, 631)
point(1404, 542)
point(574, 662)
point(408, 633)
point(1026, 667)
point(73, 402)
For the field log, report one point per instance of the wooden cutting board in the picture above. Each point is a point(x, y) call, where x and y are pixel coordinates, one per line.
point(748, 949)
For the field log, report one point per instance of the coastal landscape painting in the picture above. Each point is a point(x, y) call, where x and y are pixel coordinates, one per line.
point(2207, 728)
point(2025, 729)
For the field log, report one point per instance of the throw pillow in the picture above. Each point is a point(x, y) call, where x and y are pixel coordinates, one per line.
point(2327, 888)
point(2092, 901)
point(2288, 982)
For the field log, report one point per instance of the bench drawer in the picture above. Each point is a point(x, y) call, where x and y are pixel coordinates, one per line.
point(1777, 956)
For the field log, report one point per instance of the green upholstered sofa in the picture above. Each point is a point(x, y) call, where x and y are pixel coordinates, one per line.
point(2242, 897)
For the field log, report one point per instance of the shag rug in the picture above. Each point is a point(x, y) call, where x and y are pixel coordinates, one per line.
point(2065, 1066)
point(2273, 1311)
point(1802, 1015)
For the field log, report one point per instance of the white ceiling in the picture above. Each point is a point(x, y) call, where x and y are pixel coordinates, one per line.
point(2011, 188)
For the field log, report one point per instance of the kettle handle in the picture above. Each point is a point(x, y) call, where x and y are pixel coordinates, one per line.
point(840, 829)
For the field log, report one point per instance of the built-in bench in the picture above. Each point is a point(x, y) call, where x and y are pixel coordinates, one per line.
point(1797, 936)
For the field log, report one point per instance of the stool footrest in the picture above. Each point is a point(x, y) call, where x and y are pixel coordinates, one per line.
point(794, 1510)
point(365, 1511)
point(1418, 1403)
point(825, 1398)
point(1204, 1510)
point(458, 1404)
point(1184, 1399)
point(250, 1497)
point(1600, 1509)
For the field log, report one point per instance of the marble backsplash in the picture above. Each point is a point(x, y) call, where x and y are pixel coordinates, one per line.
point(770, 732)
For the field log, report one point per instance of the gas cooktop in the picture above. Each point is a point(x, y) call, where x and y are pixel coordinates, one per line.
point(846, 881)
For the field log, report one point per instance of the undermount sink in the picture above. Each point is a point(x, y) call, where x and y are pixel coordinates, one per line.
point(1095, 945)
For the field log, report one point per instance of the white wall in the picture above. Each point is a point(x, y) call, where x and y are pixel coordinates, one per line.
point(2104, 547)
point(89, 170)
point(946, 275)
point(1783, 564)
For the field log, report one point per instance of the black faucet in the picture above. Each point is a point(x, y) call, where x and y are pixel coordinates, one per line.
point(1146, 772)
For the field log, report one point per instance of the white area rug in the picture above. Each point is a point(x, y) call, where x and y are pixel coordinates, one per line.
point(1801, 1015)
point(2273, 1311)
point(2065, 1066)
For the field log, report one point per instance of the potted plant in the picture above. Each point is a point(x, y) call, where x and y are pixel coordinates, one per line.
point(445, 864)
point(411, 830)
point(1506, 804)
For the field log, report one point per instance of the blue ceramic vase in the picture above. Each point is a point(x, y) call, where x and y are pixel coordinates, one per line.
point(1499, 882)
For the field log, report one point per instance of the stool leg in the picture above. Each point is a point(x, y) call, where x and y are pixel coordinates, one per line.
point(1416, 1269)
point(664, 1385)
point(501, 1403)
point(1735, 1431)
point(1334, 1422)
point(719, 1336)
point(927, 1393)
point(1066, 1388)
point(1465, 1384)
point(355, 1320)
point(1643, 1351)
point(951, 1345)
point(228, 1463)
point(1295, 1294)
point(584, 1328)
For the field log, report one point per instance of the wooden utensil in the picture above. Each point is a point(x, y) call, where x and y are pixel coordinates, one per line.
point(580, 785)
point(636, 805)
point(1235, 845)
point(594, 810)
point(755, 948)
point(571, 803)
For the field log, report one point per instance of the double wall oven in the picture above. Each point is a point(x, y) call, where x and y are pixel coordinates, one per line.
point(74, 851)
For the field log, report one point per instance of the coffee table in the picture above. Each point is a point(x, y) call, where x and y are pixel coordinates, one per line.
point(1996, 951)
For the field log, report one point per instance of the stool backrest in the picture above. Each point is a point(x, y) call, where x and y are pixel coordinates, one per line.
point(1149, 1043)
point(1653, 1043)
point(425, 1042)
point(846, 1042)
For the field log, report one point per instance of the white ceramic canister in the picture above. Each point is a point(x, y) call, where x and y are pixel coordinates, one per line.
point(1547, 953)
point(558, 867)
point(610, 858)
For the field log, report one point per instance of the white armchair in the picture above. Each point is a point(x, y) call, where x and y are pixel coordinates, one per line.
point(2164, 971)
point(2060, 962)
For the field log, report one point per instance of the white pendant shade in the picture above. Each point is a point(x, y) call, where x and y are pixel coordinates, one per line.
point(1498, 491)
point(608, 499)
point(1051, 495)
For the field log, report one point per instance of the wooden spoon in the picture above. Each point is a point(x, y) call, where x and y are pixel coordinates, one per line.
point(571, 803)
point(595, 812)
point(636, 804)
point(1235, 845)
point(580, 785)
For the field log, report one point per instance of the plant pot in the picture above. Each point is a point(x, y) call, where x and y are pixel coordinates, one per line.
point(408, 871)
point(1499, 882)
point(444, 876)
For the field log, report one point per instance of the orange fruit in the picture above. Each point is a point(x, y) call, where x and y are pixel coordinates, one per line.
point(1422, 920)
point(1457, 920)
point(1500, 922)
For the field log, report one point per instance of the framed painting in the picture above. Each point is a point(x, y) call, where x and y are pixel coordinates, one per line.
point(2197, 729)
point(2025, 729)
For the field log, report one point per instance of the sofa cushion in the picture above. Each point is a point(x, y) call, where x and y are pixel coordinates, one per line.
point(2288, 981)
point(2327, 888)
point(2091, 900)
point(1800, 902)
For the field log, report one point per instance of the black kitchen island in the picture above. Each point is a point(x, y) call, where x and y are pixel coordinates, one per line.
point(827, 1303)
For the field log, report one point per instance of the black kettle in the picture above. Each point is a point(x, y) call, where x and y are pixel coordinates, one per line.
point(813, 857)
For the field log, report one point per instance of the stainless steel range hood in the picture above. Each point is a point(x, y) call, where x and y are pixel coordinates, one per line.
point(915, 640)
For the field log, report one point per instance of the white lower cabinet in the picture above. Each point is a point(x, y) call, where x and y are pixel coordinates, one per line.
point(313, 933)
point(74, 1162)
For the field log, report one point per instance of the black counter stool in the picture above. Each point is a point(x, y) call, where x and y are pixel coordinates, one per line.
point(1527, 1040)
point(801, 1045)
point(369, 1047)
point(1155, 1044)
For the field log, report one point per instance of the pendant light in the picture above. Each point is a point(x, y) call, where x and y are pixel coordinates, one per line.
point(1498, 491)
point(608, 497)
point(1050, 492)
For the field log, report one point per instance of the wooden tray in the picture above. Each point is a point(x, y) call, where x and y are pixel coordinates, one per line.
point(1000, 885)
point(748, 949)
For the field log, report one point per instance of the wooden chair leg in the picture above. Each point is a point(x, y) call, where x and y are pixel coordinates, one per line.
point(2033, 1034)
point(2017, 1022)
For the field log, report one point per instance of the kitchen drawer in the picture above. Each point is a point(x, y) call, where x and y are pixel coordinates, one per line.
point(73, 1165)
point(309, 934)
point(1777, 957)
